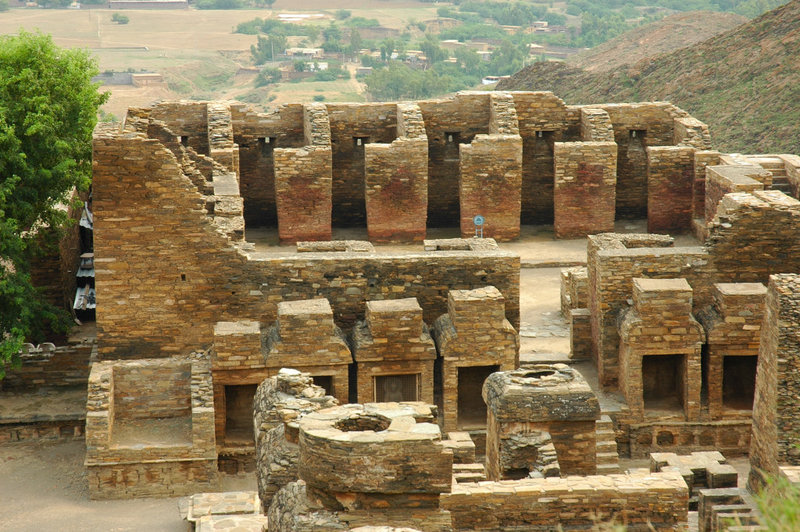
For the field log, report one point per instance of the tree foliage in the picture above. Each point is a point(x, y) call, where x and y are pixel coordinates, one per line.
point(48, 109)
point(119, 18)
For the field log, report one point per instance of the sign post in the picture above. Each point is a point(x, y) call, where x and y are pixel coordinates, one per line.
point(478, 220)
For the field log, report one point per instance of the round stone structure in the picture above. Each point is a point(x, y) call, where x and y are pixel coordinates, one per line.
point(385, 448)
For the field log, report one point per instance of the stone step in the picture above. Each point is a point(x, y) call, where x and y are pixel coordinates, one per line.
point(606, 446)
point(608, 469)
point(469, 473)
point(608, 458)
point(786, 188)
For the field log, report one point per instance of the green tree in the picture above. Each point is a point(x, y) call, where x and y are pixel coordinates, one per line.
point(3, 5)
point(48, 109)
point(266, 47)
point(119, 18)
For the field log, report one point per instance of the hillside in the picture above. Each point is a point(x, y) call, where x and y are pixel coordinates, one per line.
point(663, 36)
point(744, 83)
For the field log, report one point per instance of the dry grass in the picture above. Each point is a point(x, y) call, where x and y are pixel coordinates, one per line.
point(179, 43)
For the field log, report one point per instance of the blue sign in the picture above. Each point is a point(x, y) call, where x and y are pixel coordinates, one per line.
point(478, 219)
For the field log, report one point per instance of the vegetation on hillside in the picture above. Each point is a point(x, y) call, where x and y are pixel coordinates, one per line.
point(745, 83)
point(48, 109)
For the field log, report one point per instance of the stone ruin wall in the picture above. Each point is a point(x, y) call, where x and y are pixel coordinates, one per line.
point(514, 134)
point(148, 209)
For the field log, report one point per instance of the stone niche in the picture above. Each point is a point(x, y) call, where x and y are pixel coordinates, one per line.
point(374, 464)
point(531, 407)
point(150, 428)
point(733, 327)
point(394, 353)
point(474, 340)
point(305, 338)
point(660, 351)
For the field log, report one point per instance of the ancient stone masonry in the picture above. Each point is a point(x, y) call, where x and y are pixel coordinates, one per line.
point(474, 339)
point(776, 423)
point(305, 338)
point(307, 167)
point(721, 180)
point(660, 343)
point(279, 403)
point(491, 174)
point(534, 408)
point(642, 501)
point(150, 428)
point(303, 183)
point(585, 188)
point(733, 327)
point(396, 181)
point(373, 464)
point(394, 353)
point(202, 276)
point(670, 185)
point(702, 160)
point(699, 470)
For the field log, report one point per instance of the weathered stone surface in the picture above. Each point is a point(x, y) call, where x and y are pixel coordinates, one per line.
point(474, 333)
point(384, 448)
point(585, 188)
point(279, 403)
point(393, 340)
point(553, 401)
point(642, 501)
point(150, 428)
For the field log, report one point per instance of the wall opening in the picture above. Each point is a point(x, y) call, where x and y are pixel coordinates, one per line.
point(391, 388)
point(631, 202)
point(184, 140)
point(324, 381)
point(444, 171)
point(538, 175)
point(739, 381)
point(266, 145)
point(663, 383)
point(239, 414)
point(471, 407)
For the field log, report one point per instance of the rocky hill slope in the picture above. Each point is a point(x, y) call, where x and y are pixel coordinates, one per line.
point(744, 83)
point(663, 36)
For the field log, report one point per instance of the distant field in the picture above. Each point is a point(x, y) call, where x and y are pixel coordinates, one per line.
point(185, 45)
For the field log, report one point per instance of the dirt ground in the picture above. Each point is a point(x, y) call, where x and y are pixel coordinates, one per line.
point(43, 487)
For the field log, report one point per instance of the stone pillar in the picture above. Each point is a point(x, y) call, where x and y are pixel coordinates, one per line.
point(585, 188)
point(527, 404)
point(670, 183)
point(303, 181)
point(490, 182)
point(305, 338)
point(396, 181)
point(473, 334)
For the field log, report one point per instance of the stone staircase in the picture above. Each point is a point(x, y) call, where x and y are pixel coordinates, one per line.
point(777, 167)
point(607, 455)
point(463, 473)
